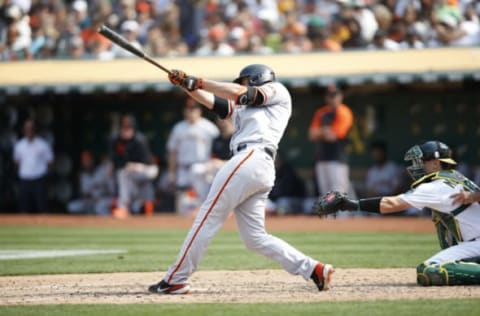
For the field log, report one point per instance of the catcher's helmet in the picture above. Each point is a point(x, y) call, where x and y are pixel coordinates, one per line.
point(416, 155)
point(257, 75)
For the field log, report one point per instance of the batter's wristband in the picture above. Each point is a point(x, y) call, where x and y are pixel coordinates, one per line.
point(220, 106)
point(371, 205)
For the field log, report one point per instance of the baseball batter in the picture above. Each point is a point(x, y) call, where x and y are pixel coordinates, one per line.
point(260, 108)
point(442, 189)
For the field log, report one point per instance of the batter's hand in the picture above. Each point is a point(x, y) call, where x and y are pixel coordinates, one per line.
point(192, 83)
point(176, 77)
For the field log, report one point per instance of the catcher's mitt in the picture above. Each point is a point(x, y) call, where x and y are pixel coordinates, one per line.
point(330, 203)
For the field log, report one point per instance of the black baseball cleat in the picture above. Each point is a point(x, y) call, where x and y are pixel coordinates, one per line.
point(322, 275)
point(163, 287)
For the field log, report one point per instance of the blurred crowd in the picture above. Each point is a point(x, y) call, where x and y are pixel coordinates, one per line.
point(44, 29)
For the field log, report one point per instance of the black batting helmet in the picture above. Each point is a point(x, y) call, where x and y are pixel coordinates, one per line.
point(257, 75)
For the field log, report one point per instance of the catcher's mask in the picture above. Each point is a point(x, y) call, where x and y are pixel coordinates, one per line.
point(430, 150)
point(257, 75)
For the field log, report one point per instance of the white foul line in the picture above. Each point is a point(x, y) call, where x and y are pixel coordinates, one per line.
point(32, 254)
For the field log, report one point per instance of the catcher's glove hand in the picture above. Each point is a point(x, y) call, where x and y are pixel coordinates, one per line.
point(333, 202)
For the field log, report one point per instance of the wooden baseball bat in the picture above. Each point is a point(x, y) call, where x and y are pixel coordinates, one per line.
point(122, 42)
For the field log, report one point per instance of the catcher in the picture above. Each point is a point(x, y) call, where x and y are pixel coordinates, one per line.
point(438, 187)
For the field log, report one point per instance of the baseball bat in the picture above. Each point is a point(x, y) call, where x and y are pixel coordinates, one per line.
point(122, 42)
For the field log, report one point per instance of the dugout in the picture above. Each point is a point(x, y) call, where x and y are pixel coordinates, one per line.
point(401, 97)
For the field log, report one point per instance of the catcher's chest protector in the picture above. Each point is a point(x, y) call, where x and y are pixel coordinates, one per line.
point(448, 231)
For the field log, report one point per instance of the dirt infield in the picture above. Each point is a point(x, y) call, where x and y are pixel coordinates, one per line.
point(213, 287)
point(226, 286)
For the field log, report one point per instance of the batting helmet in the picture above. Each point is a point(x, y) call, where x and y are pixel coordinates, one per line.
point(416, 155)
point(257, 75)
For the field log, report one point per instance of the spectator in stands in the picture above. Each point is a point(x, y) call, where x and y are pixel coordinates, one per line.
point(239, 40)
point(129, 30)
point(384, 176)
point(189, 142)
point(365, 17)
point(96, 45)
point(126, 11)
point(80, 14)
point(216, 43)
point(355, 39)
point(416, 21)
point(176, 43)
point(145, 20)
point(412, 40)
point(294, 35)
point(97, 187)
point(33, 157)
point(159, 45)
point(382, 42)
point(265, 10)
point(75, 48)
point(134, 169)
point(262, 26)
point(383, 16)
point(329, 129)
point(16, 34)
point(453, 29)
point(320, 38)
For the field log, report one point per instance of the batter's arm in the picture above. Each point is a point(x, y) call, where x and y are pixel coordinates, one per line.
point(225, 90)
point(222, 107)
point(203, 97)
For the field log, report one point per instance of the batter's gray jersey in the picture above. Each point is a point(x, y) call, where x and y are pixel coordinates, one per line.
point(264, 124)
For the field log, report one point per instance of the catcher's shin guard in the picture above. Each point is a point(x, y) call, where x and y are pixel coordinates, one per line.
point(449, 273)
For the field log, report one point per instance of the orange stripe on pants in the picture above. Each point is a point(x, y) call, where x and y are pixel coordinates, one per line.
point(206, 215)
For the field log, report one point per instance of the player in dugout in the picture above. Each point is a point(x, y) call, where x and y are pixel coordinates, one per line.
point(442, 189)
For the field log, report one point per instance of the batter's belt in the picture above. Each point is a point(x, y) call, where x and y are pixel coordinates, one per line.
point(269, 151)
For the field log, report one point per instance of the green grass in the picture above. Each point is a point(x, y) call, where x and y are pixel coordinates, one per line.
point(464, 307)
point(155, 249)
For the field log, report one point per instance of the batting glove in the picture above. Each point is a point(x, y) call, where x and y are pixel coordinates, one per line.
point(192, 83)
point(176, 77)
